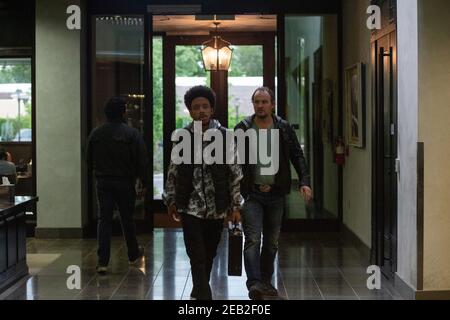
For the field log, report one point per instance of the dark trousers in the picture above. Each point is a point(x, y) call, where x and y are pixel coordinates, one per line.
point(112, 192)
point(201, 238)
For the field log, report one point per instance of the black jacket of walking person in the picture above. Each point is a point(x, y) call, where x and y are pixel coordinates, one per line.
point(290, 152)
point(118, 157)
point(265, 190)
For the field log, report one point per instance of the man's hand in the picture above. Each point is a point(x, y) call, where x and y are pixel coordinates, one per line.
point(306, 193)
point(235, 217)
point(173, 213)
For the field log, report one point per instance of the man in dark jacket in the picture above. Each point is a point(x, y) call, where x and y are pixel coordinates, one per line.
point(117, 154)
point(264, 194)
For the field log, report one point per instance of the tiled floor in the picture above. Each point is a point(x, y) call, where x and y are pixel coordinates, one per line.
point(310, 267)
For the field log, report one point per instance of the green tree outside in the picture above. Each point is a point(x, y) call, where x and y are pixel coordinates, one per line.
point(15, 73)
point(19, 73)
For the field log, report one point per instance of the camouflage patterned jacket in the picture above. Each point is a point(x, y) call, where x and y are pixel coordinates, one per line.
point(202, 200)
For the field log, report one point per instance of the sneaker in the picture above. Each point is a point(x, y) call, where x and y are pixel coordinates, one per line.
point(102, 269)
point(136, 261)
point(256, 291)
point(269, 290)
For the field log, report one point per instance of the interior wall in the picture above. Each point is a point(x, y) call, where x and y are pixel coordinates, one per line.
point(434, 132)
point(58, 101)
point(357, 193)
point(407, 140)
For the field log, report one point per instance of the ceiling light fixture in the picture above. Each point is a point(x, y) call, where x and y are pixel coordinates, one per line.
point(216, 53)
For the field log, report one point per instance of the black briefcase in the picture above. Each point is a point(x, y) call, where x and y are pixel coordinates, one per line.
point(235, 240)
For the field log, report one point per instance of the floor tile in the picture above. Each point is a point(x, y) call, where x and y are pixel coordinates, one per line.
point(308, 267)
point(336, 291)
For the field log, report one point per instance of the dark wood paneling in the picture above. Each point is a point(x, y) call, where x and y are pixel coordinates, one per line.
point(219, 83)
point(236, 38)
point(269, 62)
point(169, 98)
point(443, 295)
point(11, 239)
point(16, 18)
point(21, 236)
point(420, 212)
point(218, 7)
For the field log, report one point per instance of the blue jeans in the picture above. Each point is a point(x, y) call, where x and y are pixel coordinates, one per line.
point(262, 213)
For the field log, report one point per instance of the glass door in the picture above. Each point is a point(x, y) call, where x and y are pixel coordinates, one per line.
point(188, 73)
point(118, 64)
point(181, 68)
point(245, 76)
point(312, 107)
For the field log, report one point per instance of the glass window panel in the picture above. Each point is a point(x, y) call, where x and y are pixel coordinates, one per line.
point(119, 66)
point(118, 70)
point(311, 106)
point(158, 139)
point(15, 100)
point(189, 73)
point(245, 76)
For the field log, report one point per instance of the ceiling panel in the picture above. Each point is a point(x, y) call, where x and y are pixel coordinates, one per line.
point(187, 24)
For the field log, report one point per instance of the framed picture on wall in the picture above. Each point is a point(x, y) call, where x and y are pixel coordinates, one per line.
point(354, 105)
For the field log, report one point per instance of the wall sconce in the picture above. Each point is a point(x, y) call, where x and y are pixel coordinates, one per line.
point(216, 53)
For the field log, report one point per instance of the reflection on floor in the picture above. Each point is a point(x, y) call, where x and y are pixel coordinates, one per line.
point(309, 267)
point(296, 208)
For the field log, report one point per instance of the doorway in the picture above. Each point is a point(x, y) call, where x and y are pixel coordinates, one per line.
point(253, 65)
point(153, 59)
point(313, 107)
point(385, 169)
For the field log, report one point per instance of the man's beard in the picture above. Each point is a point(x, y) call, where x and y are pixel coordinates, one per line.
point(265, 116)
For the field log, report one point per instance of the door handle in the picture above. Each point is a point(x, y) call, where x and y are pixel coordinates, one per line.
point(381, 79)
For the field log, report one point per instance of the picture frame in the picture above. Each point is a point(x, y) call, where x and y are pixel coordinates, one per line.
point(355, 106)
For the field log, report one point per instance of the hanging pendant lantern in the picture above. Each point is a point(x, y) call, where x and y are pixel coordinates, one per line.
point(217, 53)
